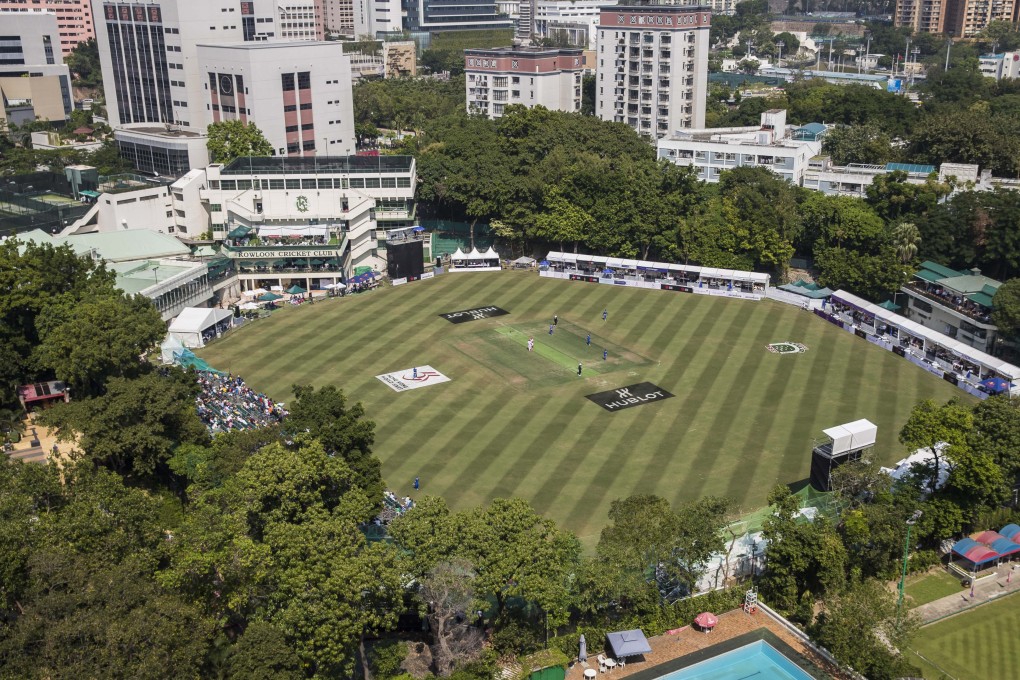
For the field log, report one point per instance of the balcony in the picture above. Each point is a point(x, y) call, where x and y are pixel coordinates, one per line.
point(952, 302)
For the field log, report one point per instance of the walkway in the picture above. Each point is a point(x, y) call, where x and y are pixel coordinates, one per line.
point(984, 591)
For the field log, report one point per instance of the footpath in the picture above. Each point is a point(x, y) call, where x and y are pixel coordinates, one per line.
point(1005, 582)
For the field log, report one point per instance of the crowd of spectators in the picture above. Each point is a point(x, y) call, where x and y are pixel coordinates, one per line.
point(954, 300)
point(227, 403)
point(393, 506)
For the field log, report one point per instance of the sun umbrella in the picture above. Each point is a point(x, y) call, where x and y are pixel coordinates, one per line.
point(296, 290)
point(582, 655)
point(995, 384)
point(269, 297)
point(706, 620)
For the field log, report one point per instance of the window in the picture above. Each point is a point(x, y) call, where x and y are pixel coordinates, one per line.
point(308, 106)
point(292, 128)
point(304, 80)
point(276, 184)
point(371, 182)
point(357, 183)
point(325, 183)
point(289, 107)
point(307, 183)
point(307, 126)
point(293, 183)
point(389, 182)
point(288, 82)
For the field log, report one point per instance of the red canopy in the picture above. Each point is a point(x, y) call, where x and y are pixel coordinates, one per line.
point(706, 620)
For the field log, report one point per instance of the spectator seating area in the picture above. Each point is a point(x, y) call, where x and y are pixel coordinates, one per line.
point(227, 403)
point(989, 546)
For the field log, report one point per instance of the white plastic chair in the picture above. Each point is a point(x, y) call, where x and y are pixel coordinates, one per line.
point(603, 667)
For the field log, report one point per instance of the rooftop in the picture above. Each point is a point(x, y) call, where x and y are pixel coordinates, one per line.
point(135, 277)
point(525, 51)
point(162, 131)
point(282, 165)
point(127, 245)
point(274, 45)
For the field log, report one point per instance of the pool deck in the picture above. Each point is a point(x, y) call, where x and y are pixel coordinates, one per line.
point(671, 652)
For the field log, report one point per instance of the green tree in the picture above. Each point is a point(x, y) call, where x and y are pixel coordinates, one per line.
point(563, 221)
point(262, 653)
point(517, 553)
point(83, 62)
point(867, 144)
point(804, 559)
point(232, 139)
point(343, 430)
point(761, 209)
point(647, 537)
point(861, 628)
point(90, 341)
point(996, 431)
point(135, 426)
point(425, 534)
point(929, 426)
point(905, 238)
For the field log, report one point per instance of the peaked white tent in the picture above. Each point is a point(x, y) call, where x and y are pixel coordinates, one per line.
point(191, 322)
point(490, 254)
point(475, 255)
point(457, 255)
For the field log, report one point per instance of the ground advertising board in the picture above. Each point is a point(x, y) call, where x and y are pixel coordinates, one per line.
point(474, 314)
point(629, 396)
point(413, 378)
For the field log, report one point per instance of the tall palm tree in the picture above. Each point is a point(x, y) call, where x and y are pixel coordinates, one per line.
point(906, 237)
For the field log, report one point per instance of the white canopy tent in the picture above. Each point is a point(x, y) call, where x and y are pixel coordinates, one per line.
point(490, 254)
point(475, 255)
point(190, 324)
point(170, 347)
point(458, 255)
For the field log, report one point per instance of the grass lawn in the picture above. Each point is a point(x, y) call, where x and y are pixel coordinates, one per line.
point(512, 422)
point(930, 587)
point(982, 643)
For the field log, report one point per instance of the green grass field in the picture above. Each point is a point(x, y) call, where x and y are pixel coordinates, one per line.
point(982, 643)
point(930, 587)
point(512, 422)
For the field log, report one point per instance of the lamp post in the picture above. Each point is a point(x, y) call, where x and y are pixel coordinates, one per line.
point(779, 60)
point(906, 551)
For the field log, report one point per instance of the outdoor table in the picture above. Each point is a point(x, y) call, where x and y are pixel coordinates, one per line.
point(610, 663)
point(589, 673)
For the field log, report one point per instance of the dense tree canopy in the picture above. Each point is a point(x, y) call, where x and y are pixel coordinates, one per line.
point(232, 139)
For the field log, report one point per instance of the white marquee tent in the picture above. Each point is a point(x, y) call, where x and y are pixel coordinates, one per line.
point(191, 322)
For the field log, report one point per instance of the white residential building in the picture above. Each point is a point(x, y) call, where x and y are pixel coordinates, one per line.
point(532, 76)
point(33, 76)
point(186, 65)
point(298, 93)
point(652, 70)
point(577, 20)
point(999, 66)
point(375, 17)
point(783, 149)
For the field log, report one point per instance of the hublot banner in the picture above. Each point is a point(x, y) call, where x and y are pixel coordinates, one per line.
point(473, 314)
point(581, 277)
point(673, 286)
point(632, 395)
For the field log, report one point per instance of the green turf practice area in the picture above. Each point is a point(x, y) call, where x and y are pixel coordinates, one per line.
point(980, 644)
point(511, 422)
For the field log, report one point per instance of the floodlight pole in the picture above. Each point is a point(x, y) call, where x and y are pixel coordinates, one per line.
point(906, 551)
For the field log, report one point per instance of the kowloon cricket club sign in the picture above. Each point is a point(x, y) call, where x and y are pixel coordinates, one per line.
point(631, 395)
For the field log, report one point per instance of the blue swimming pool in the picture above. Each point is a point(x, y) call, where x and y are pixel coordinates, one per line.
point(756, 661)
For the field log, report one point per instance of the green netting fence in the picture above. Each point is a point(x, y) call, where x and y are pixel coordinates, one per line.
point(824, 502)
point(187, 359)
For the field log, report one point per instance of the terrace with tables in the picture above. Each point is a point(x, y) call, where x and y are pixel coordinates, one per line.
point(655, 275)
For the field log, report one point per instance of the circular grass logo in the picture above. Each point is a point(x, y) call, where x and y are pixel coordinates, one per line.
point(786, 348)
point(302, 203)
